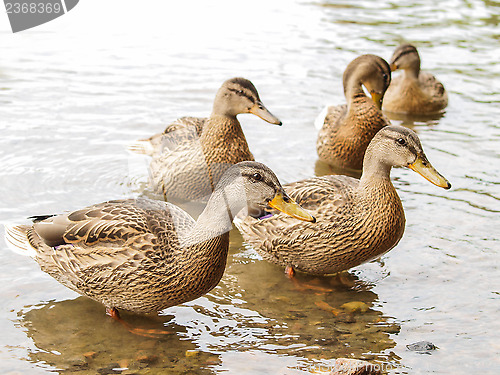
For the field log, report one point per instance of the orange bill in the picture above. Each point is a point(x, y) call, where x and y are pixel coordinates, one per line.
point(287, 205)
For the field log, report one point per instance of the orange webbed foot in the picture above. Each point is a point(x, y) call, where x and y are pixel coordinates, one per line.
point(152, 333)
point(290, 273)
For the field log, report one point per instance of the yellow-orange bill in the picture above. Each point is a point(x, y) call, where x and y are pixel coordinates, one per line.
point(260, 110)
point(290, 208)
point(427, 171)
point(377, 98)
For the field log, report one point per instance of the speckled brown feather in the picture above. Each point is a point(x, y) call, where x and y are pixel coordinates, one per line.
point(181, 131)
point(348, 129)
point(195, 123)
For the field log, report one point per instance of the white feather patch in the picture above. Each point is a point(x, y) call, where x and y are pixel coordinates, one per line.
point(16, 240)
point(320, 119)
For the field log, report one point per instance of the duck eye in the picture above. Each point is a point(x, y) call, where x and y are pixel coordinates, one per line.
point(257, 177)
point(401, 141)
point(239, 92)
point(385, 76)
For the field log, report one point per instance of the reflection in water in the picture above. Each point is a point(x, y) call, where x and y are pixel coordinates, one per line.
point(412, 120)
point(240, 316)
point(341, 322)
point(76, 335)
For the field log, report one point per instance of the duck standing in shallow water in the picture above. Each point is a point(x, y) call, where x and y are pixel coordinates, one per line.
point(414, 92)
point(356, 220)
point(346, 130)
point(192, 154)
point(144, 255)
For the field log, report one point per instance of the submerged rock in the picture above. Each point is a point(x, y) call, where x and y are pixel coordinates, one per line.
point(147, 358)
point(422, 346)
point(192, 353)
point(346, 366)
point(355, 306)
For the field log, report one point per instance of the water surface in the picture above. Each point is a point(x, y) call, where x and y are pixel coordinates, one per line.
point(76, 91)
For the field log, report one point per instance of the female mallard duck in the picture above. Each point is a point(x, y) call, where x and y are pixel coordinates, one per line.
point(347, 130)
point(144, 255)
point(356, 220)
point(191, 155)
point(414, 92)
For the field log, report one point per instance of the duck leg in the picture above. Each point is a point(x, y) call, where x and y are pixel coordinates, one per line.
point(153, 333)
point(290, 273)
point(325, 306)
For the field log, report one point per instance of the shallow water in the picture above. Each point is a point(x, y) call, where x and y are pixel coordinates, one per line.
point(76, 91)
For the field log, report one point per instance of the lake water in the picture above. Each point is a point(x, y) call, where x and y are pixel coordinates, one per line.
point(76, 91)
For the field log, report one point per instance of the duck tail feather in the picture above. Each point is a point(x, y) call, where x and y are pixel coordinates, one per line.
point(16, 237)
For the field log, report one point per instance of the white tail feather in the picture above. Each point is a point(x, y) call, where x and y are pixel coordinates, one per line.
point(15, 237)
point(320, 119)
point(238, 220)
point(141, 147)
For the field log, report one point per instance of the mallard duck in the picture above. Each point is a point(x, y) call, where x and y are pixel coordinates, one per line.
point(191, 155)
point(414, 92)
point(347, 130)
point(144, 255)
point(356, 220)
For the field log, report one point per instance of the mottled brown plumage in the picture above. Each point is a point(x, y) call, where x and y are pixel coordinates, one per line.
point(182, 130)
point(347, 130)
point(191, 155)
point(356, 220)
point(414, 92)
point(144, 255)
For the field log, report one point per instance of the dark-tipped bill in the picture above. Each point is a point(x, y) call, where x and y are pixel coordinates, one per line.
point(289, 207)
point(427, 171)
point(260, 110)
point(377, 98)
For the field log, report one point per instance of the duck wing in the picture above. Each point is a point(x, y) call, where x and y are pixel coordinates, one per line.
point(324, 197)
point(314, 192)
point(433, 87)
point(97, 244)
point(181, 131)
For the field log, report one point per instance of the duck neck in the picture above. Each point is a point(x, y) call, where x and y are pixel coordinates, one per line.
point(412, 70)
point(354, 89)
point(354, 94)
point(217, 217)
point(221, 129)
point(375, 174)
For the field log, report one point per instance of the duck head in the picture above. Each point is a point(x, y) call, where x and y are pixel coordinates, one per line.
point(239, 95)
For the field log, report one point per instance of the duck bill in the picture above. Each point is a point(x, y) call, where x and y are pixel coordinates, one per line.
point(377, 99)
point(393, 67)
point(289, 207)
point(260, 110)
point(427, 171)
